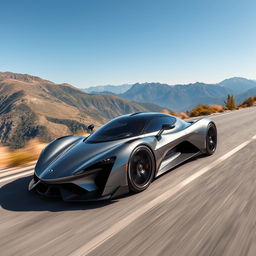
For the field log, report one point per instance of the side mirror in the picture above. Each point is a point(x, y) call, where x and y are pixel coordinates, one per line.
point(165, 127)
point(90, 128)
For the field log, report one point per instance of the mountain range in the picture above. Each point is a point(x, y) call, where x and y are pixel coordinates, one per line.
point(33, 107)
point(187, 96)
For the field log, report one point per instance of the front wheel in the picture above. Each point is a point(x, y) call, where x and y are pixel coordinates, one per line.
point(141, 169)
point(211, 139)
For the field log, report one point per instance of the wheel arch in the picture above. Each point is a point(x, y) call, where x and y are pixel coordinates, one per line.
point(197, 132)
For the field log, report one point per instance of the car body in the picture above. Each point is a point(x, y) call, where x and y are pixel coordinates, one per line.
point(100, 166)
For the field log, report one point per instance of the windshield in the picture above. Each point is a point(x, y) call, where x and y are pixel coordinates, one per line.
point(119, 128)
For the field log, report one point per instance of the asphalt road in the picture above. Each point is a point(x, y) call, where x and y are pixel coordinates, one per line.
point(204, 207)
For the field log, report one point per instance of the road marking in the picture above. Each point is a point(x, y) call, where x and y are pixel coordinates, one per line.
point(120, 225)
point(11, 177)
point(14, 172)
point(11, 170)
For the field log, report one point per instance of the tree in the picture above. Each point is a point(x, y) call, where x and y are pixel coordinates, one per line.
point(230, 102)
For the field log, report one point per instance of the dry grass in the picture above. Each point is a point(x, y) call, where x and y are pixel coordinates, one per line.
point(20, 157)
point(182, 115)
point(202, 110)
point(165, 111)
point(218, 108)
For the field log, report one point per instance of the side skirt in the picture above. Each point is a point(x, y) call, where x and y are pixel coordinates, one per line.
point(175, 160)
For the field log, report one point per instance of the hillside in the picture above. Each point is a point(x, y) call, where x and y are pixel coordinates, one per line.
point(33, 107)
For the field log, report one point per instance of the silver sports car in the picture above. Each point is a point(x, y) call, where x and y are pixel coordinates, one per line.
point(125, 154)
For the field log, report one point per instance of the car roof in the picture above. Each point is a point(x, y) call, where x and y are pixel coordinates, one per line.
point(149, 114)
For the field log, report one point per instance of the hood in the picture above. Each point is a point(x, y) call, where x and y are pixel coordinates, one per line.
point(77, 157)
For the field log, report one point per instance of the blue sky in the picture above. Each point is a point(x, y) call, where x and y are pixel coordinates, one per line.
point(92, 42)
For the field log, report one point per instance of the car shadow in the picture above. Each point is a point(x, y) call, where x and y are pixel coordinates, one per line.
point(15, 196)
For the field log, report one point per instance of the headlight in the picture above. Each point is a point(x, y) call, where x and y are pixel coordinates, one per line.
point(100, 166)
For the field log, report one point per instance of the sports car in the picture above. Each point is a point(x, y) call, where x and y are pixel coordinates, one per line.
point(126, 154)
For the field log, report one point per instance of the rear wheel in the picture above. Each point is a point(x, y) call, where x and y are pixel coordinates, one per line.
point(141, 169)
point(211, 139)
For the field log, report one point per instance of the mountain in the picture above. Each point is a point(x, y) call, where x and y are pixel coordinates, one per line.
point(33, 107)
point(238, 85)
point(178, 97)
point(249, 93)
point(108, 89)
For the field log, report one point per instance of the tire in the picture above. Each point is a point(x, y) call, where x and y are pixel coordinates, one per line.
point(211, 139)
point(141, 169)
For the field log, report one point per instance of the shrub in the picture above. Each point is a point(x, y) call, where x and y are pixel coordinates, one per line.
point(230, 102)
point(183, 115)
point(249, 102)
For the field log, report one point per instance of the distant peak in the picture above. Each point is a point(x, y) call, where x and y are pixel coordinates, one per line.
point(234, 79)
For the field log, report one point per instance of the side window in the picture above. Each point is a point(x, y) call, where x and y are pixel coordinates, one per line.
point(169, 120)
point(156, 123)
